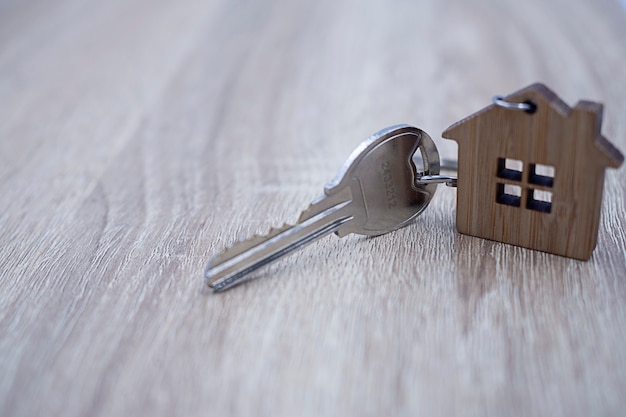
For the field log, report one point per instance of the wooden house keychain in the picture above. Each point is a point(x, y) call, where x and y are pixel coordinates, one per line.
point(530, 173)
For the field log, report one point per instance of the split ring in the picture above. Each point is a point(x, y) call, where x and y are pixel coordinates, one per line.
point(527, 106)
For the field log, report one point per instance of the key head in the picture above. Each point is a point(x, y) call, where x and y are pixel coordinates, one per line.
point(382, 178)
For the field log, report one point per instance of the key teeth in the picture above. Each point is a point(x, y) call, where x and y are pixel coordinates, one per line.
point(305, 213)
point(242, 245)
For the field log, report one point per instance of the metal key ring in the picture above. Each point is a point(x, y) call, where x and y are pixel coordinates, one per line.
point(527, 106)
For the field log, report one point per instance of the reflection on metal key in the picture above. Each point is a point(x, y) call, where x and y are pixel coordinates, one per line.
point(376, 191)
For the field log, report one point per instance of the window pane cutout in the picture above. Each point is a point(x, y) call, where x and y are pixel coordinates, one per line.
point(510, 169)
point(514, 190)
point(539, 200)
point(541, 175)
point(513, 164)
point(509, 194)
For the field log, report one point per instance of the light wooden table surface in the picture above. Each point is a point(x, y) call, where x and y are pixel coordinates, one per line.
point(139, 137)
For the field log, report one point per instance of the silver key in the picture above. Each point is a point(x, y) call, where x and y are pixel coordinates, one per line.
point(376, 191)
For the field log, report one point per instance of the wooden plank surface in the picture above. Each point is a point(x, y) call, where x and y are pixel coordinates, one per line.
point(137, 138)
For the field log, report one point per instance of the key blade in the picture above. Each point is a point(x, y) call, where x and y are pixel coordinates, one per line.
point(230, 268)
point(242, 246)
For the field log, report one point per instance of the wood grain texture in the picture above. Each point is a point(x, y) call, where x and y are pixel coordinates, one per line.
point(137, 138)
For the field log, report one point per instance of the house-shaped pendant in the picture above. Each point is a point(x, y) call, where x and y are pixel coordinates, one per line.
point(533, 178)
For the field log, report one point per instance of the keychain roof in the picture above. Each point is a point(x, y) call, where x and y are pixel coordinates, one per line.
point(531, 172)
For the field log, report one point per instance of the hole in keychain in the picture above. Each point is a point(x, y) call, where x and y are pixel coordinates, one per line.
point(509, 194)
point(539, 200)
point(510, 169)
point(542, 175)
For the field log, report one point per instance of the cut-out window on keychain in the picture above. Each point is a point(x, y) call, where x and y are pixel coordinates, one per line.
point(510, 169)
point(541, 175)
point(539, 200)
point(509, 194)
